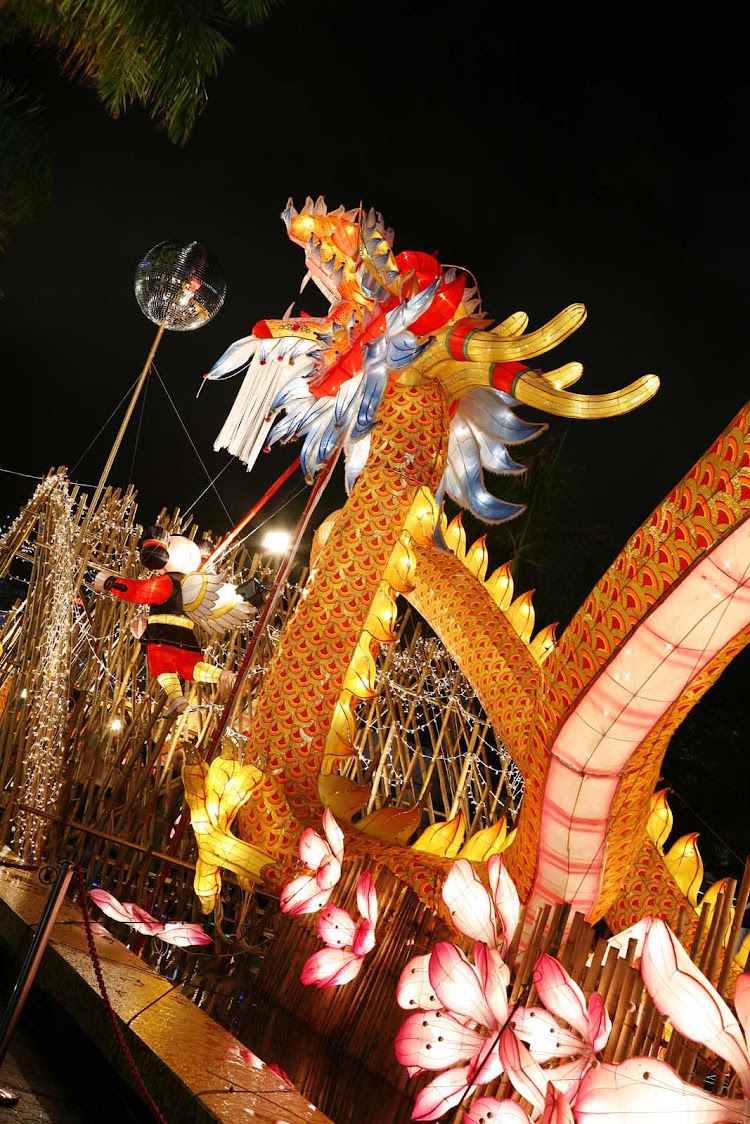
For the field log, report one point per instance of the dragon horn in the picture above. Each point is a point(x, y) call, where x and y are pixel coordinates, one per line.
point(489, 347)
point(537, 391)
point(547, 393)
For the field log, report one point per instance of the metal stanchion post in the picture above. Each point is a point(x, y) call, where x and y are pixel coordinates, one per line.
point(29, 969)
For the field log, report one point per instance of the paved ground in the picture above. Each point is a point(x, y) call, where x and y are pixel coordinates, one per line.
point(58, 1080)
point(193, 1068)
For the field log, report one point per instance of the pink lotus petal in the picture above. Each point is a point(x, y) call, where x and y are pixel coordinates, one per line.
point(414, 988)
point(444, 1091)
point(646, 1090)
point(336, 927)
point(328, 872)
point(331, 967)
point(489, 1110)
point(457, 985)
point(682, 993)
point(557, 1109)
point(544, 1036)
point(504, 895)
point(560, 994)
point(364, 939)
point(487, 1065)
point(109, 905)
point(302, 895)
point(469, 904)
point(526, 1075)
point(434, 1039)
point(600, 1024)
point(334, 834)
point(174, 932)
point(742, 1002)
point(312, 849)
point(151, 930)
point(367, 899)
point(567, 1076)
point(493, 979)
point(143, 922)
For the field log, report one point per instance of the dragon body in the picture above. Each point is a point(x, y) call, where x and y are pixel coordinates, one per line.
point(407, 377)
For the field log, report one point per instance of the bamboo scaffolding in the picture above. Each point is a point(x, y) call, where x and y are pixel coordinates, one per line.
point(737, 922)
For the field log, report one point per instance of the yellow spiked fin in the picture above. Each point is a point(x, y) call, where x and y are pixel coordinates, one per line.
point(489, 841)
point(343, 796)
point(521, 615)
point(543, 643)
point(477, 558)
point(684, 863)
point(455, 536)
point(499, 585)
point(394, 825)
point(443, 838)
point(660, 820)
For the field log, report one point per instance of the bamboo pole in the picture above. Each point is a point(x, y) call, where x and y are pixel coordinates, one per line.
point(622, 1039)
point(737, 923)
point(722, 924)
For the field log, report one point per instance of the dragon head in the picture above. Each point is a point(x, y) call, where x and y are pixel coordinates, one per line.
point(407, 317)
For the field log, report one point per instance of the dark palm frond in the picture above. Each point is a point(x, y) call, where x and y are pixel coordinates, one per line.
point(25, 174)
point(159, 54)
point(156, 54)
point(250, 12)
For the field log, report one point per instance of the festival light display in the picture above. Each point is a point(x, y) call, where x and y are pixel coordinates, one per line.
point(409, 380)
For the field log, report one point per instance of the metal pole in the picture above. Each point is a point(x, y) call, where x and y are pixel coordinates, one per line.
point(113, 451)
point(128, 414)
point(34, 957)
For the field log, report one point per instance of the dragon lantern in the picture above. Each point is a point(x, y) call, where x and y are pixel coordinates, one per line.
point(408, 377)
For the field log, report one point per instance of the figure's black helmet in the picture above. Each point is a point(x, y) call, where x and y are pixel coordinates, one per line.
point(154, 548)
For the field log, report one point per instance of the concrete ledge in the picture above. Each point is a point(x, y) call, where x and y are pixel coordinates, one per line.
point(190, 1065)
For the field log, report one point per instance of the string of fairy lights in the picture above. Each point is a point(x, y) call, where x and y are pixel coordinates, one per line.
point(50, 680)
point(442, 689)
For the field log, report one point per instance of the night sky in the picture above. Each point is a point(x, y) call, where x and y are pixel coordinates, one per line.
point(559, 161)
point(559, 164)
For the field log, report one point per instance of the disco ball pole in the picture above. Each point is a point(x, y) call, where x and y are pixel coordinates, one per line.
point(125, 422)
point(179, 286)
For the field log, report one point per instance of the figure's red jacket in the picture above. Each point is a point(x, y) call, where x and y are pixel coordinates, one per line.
point(170, 626)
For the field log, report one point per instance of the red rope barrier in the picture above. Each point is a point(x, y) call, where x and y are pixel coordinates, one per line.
point(130, 1060)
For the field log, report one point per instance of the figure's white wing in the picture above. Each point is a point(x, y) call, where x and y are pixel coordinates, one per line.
point(270, 364)
point(213, 603)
